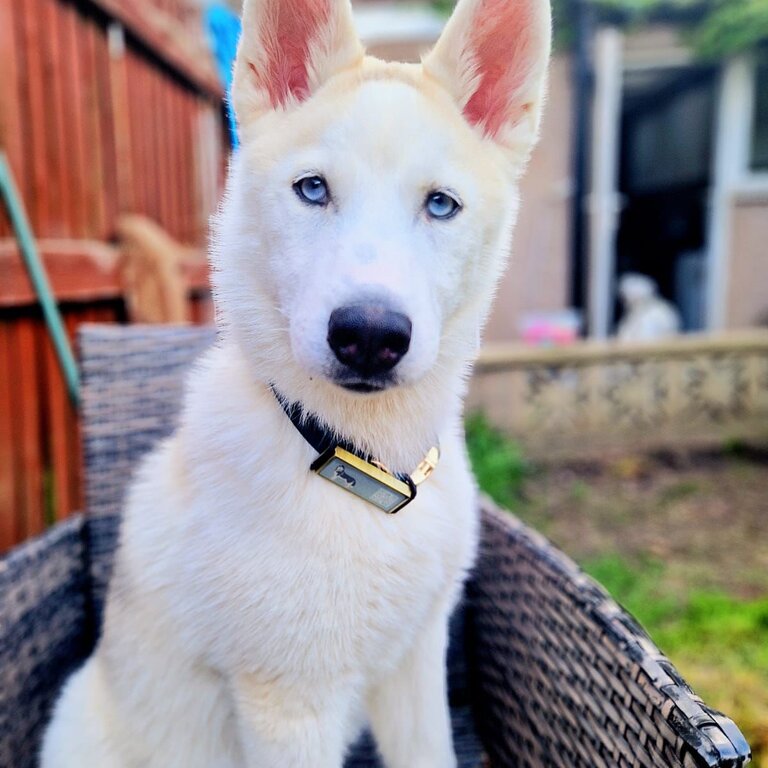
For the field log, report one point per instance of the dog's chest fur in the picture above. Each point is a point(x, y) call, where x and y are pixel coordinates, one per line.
point(274, 571)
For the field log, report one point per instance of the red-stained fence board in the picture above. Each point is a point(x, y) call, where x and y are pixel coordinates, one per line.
point(26, 427)
point(11, 125)
point(9, 534)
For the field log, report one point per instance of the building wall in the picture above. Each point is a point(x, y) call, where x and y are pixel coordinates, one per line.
point(747, 298)
point(538, 273)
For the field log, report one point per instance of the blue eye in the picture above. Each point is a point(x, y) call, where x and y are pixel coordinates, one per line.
point(440, 205)
point(312, 190)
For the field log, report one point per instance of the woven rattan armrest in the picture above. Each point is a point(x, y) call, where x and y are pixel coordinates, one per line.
point(45, 631)
point(564, 677)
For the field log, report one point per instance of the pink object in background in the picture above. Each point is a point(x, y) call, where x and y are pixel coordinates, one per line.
point(550, 328)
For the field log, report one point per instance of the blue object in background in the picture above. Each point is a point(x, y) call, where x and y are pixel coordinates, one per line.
point(223, 28)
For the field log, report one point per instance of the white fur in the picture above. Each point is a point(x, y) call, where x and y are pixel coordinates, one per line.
point(258, 615)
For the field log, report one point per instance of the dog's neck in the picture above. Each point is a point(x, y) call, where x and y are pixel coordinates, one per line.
point(397, 427)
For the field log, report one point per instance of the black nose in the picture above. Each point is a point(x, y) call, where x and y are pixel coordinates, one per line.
point(369, 338)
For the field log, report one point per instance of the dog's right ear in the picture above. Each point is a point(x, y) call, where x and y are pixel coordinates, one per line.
point(288, 48)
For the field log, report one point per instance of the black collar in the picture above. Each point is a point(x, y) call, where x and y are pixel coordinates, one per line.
point(317, 434)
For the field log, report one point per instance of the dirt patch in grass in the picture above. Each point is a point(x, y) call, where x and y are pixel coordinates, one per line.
point(705, 516)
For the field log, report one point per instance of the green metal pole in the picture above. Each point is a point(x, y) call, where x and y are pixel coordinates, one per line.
point(39, 279)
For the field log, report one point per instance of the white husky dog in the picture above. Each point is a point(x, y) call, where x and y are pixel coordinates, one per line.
point(259, 615)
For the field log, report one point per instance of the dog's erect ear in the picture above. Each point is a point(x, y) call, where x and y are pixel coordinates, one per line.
point(492, 57)
point(287, 49)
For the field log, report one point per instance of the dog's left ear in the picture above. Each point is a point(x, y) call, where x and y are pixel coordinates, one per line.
point(492, 57)
point(288, 48)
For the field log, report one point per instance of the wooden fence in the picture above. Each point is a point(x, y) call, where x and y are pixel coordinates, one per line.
point(101, 113)
point(106, 107)
point(589, 399)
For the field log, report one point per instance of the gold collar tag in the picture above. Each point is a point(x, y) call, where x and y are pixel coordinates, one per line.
point(370, 482)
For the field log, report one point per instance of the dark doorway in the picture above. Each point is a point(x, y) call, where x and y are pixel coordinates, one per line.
point(665, 177)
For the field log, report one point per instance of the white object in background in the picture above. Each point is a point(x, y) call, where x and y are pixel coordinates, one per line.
point(647, 316)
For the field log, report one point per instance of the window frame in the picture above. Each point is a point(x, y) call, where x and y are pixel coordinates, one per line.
point(749, 179)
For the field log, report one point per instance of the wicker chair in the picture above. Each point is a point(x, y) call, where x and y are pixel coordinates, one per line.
point(545, 669)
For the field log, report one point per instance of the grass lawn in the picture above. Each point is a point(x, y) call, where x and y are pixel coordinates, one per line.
point(680, 540)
